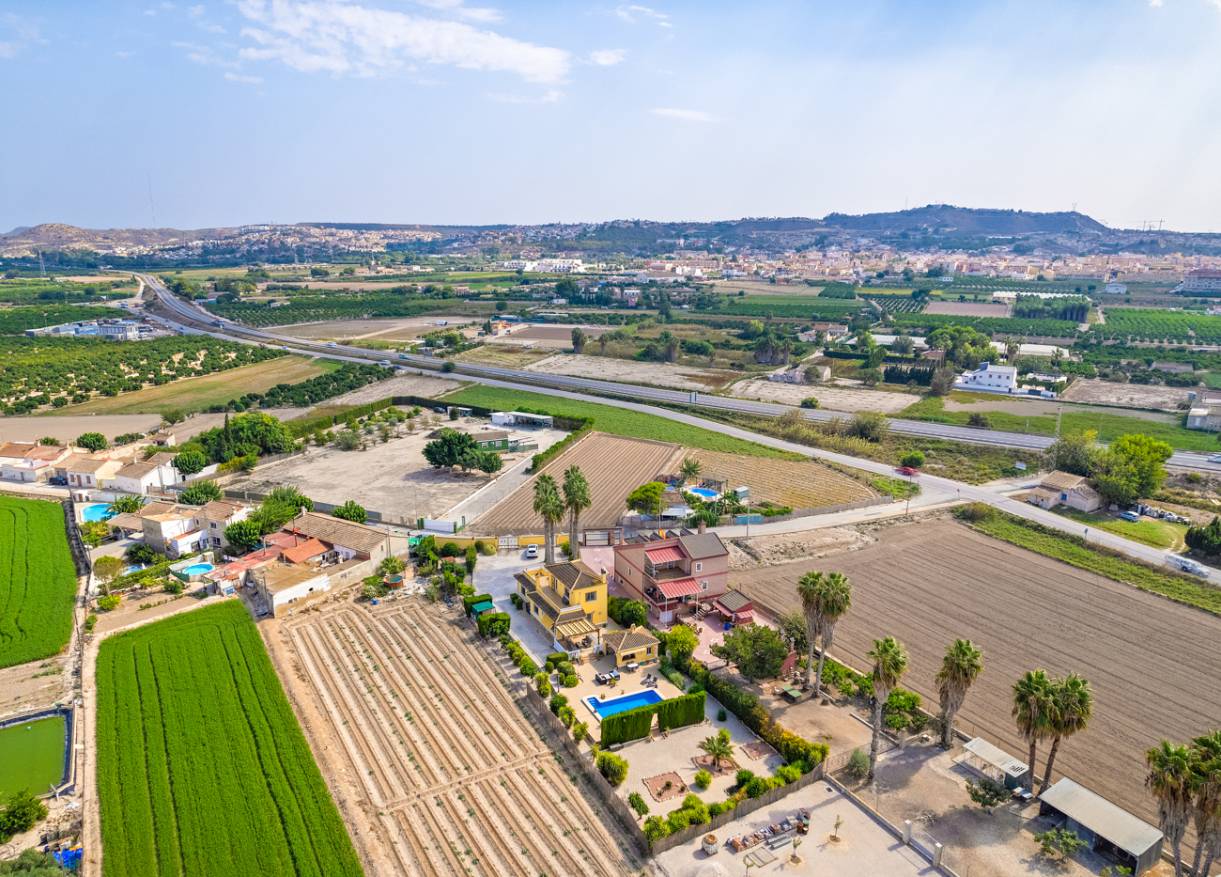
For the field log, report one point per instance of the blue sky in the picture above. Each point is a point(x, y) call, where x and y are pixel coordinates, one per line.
point(478, 111)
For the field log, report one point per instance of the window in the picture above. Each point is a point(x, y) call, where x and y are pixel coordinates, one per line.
point(699, 567)
point(591, 596)
point(703, 584)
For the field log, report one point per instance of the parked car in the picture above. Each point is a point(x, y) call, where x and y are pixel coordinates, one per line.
point(531, 552)
point(1130, 516)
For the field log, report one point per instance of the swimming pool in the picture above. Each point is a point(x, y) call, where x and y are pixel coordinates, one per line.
point(703, 492)
point(197, 569)
point(97, 511)
point(615, 705)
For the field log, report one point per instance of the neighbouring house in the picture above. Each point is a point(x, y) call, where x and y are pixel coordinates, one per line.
point(831, 331)
point(989, 378)
point(633, 646)
point(146, 476)
point(522, 418)
point(1201, 280)
point(1106, 828)
point(674, 573)
point(133, 522)
point(280, 585)
point(735, 607)
point(347, 539)
point(88, 472)
point(568, 599)
point(492, 440)
point(1065, 489)
point(28, 462)
point(1205, 412)
point(184, 529)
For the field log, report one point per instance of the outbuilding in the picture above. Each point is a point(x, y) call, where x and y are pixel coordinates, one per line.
point(522, 418)
point(1109, 830)
point(994, 763)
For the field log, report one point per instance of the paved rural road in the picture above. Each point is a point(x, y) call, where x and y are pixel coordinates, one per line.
point(934, 490)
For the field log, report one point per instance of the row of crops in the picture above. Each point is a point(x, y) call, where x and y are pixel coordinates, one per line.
point(31, 290)
point(15, 320)
point(37, 580)
point(1007, 326)
point(1159, 325)
point(202, 767)
point(60, 371)
point(895, 304)
point(792, 306)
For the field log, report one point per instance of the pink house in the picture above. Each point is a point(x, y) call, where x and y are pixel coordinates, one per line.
point(673, 573)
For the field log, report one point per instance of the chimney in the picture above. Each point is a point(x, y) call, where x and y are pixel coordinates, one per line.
point(701, 526)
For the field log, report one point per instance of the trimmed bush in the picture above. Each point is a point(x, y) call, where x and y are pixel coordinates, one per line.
point(542, 684)
point(557, 701)
point(858, 763)
point(613, 767)
point(493, 623)
point(580, 730)
point(721, 715)
point(638, 804)
point(678, 712)
point(468, 602)
point(628, 725)
point(703, 779)
point(553, 659)
point(655, 828)
point(527, 666)
point(566, 716)
point(570, 681)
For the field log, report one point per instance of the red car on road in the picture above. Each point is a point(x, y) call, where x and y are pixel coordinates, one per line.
point(909, 471)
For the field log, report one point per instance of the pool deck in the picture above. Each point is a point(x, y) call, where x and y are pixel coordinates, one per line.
point(650, 696)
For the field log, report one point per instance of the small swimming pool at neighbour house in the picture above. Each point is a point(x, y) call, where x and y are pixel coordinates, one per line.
point(97, 511)
point(197, 569)
point(615, 705)
point(703, 492)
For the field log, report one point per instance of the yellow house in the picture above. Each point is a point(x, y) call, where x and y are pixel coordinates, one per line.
point(633, 646)
point(568, 599)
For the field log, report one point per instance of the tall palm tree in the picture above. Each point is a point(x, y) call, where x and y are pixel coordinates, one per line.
point(1032, 706)
point(889, 665)
point(1072, 706)
point(835, 599)
point(1206, 777)
point(689, 469)
point(718, 747)
point(1170, 781)
point(548, 505)
point(809, 588)
point(962, 664)
point(576, 500)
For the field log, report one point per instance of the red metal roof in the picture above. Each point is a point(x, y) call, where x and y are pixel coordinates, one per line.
point(676, 588)
point(664, 555)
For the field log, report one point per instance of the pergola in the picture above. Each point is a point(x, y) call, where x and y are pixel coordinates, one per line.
point(994, 763)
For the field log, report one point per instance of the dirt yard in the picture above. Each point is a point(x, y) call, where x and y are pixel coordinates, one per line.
point(1127, 395)
point(1152, 663)
point(1030, 407)
point(547, 336)
point(787, 547)
point(657, 374)
point(391, 478)
point(433, 765)
point(831, 398)
point(394, 329)
point(614, 467)
point(968, 309)
point(503, 355)
point(802, 484)
point(67, 428)
point(400, 385)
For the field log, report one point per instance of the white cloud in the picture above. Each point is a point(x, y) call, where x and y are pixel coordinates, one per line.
point(1157, 4)
point(482, 14)
point(243, 78)
point(332, 36)
point(18, 33)
point(632, 13)
point(607, 57)
point(683, 115)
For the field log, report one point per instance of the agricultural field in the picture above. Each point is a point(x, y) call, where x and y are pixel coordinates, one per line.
point(763, 287)
point(40, 292)
point(37, 580)
point(32, 755)
point(341, 306)
point(502, 355)
point(929, 583)
point(656, 374)
point(792, 307)
point(614, 467)
point(848, 399)
point(438, 771)
point(1006, 326)
point(15, 320)
point(547, 336)
point(800, 485)
point(1126, 395)
point(609, 419)
point(967, 309)
point(407, 329)
point(199, 394)
point(894, 304)
point(35, 372)
point(222, 782)
point(1137, 324)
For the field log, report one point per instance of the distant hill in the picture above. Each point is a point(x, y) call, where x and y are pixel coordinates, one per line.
point(947, 219)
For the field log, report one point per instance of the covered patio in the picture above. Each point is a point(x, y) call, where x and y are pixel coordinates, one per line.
point(994, 763)
point(667, 598)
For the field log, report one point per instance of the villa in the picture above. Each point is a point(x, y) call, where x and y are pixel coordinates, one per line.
point(568, 599)
point(1064, 488)
point(27, 461)
point(674, 573)
point(633, 646)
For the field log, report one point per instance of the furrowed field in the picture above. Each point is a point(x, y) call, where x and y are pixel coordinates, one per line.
point(37, 580)
point(202, 768)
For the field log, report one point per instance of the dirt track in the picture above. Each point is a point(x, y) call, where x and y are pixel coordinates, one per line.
point(1153, 664)
point(435, 768)
point(613, 465)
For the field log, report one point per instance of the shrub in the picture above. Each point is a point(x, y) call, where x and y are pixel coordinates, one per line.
point(613, 767)
point(108, 602)
point(987, 793)
point(486, 547)
point(757, 786)
point(91, 621)
point(172, 586)
point(915, 459)
point(493, 623)
point(638, 804)
point(975, 511)
point(450, 549)
point(200, 493)
point(979, 420)
point(515, 599)
point(721, 715)
point(809, 402)
point(703, 779)
point(557, 701)
point(566, 716)
point(1059, 843)
point(742, 777)
point(527, 666)
point(678, 820)
point(580, 730)
point(570, 681)
point(655, 828)
point(542, 684)
point(627, 612)
point(553, 659)
point(858, 764)
point(564, 668)
point(790, 773)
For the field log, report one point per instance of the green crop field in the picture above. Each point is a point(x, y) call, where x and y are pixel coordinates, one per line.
point(14, 321)
point(813, 307)
point(202, 768)
point(32, 755)
point(1160, 325)
point(617, 421)
point(1012, 326)
point(345, 306)
point(37, 580)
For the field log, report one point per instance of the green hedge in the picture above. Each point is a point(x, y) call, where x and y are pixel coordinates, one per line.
point(468, 602)
point(630, 725)
point(679, 711)
point(580, 426)
point(493, 623)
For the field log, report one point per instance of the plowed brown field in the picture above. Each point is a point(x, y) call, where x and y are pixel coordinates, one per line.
point(439, 772)
point(1154, 665)
point(802, 484)
point(614, 467)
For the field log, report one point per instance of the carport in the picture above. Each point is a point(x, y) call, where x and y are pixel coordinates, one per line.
point(994, 763)
point(1109, 830)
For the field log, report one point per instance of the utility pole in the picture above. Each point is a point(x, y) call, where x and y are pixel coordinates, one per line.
point(1059, 412)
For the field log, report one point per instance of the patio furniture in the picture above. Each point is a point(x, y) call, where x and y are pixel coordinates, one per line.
point(790, 693)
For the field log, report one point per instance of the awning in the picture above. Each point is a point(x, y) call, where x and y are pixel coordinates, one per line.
point(574, 629)
point(664, 555)
point(482, 606)
point(677, 588)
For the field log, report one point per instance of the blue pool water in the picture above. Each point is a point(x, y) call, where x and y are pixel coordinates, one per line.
point(703, 492)
point(604, 708)
point(97, 511)
point(198, 569)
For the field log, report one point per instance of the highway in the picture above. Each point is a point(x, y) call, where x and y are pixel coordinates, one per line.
point(190, 318)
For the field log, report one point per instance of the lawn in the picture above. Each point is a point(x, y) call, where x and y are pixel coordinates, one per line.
point(37, 580)
point(1150, 531)
point(616, 421)
point(197, 394)
point(202, 767)
point(32, 755)
point(1074, 551)
point(1108, 426)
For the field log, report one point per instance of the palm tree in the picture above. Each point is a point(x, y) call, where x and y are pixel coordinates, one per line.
point(719, 748)
point(834, 600)
point(889, 665)
point(1206, 776)
point(1032, 706)
point(809, 588)
point(962, 664)
point(1170, 781)
point(689, 469)
point(576, 500)
point(1072, 706)
point(550, 507)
